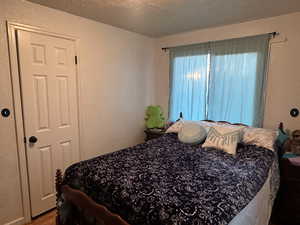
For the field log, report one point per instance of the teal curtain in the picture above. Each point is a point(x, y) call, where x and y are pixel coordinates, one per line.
point(237, 80)
point(222, 80)
point(188, 83)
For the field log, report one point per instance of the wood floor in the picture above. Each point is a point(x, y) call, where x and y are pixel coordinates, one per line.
point(46, 219)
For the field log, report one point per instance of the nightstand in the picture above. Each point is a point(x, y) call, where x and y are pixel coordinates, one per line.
point(287, 210)
point(152, 134)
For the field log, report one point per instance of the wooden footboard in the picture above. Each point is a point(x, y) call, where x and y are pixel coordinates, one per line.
point(88, 207)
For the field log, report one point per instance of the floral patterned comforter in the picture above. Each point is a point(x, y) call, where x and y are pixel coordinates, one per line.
point(166, 182)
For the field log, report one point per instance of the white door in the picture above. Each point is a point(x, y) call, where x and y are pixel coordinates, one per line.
point(49, 101)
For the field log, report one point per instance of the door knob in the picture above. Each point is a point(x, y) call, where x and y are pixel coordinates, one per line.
point(33, 139)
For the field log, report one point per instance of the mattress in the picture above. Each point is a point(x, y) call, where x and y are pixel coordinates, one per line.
point(259, 209)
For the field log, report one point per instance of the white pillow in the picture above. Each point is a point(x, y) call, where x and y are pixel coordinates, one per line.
point(208, 125)
point(175, 128)
point(192, 133)
point(224, 138)
point(260, 137)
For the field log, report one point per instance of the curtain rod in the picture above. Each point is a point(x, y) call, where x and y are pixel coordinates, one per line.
point(273, 34)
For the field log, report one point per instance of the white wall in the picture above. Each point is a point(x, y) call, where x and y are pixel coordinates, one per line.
point(283, 87)
point(116, 67)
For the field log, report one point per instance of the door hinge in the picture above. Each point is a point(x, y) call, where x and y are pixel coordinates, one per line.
point(25, 140)
point(76, 59)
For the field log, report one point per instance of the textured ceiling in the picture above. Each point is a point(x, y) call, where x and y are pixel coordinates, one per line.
point(157, 18)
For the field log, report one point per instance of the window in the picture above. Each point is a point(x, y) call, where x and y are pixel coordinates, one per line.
point(219, 81)
point(189, 87)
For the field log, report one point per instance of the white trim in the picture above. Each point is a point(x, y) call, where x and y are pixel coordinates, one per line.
point(17, 103)
point(19, 26)
point(18, 221)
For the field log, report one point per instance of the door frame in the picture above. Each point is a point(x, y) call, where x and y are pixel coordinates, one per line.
point(12, 28)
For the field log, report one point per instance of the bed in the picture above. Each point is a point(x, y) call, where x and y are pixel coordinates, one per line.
point(164, 181)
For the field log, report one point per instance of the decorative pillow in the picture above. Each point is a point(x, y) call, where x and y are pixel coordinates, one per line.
point(260, 137)
point(175, 127)
point(192, 133)
point(224, 138)
point(207, 125)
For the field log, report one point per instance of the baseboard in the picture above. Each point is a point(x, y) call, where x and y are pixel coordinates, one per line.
point(19, 221)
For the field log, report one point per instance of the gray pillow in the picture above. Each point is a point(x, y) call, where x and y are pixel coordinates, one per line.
point(192, 133)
